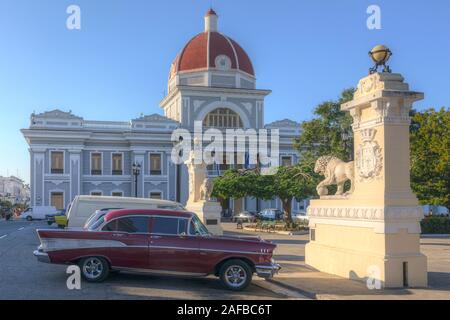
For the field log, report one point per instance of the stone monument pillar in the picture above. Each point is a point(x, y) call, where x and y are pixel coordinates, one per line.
point(374, 232)
point(200, 189)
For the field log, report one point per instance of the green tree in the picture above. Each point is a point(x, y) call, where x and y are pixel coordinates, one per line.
point(329, 132)
point(430, 156)
point(5, 204)
point(287, 183)
point(292, 182)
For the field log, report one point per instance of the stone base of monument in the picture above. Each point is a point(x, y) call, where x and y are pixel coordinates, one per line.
point(209, 213)
point(367, 243)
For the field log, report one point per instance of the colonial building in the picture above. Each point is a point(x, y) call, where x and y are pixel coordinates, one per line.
point(211, 80)
point(14, 190)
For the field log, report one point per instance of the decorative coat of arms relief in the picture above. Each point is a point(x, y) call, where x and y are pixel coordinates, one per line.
point(369, 159)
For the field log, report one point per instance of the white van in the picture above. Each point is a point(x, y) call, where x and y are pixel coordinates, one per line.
point(38, 213)
point(82, 207)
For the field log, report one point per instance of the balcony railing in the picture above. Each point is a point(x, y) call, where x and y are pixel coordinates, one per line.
point(117, 172)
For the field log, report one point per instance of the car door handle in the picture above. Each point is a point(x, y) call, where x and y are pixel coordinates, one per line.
point(155, 237)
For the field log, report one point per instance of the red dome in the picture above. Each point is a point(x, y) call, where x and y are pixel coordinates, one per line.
point(210, 12)
point(201, 52)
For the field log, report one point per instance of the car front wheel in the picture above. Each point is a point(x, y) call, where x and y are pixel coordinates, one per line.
point(94, 269)
point(235, 275)
point(29, 218)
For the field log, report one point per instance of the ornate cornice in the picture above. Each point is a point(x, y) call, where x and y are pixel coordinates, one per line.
point(283, 124)
point(57, 114)
point(367, 213)
point(154, 118)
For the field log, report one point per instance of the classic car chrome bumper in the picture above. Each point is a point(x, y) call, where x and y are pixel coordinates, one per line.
point(41, 256)
point(267, 271)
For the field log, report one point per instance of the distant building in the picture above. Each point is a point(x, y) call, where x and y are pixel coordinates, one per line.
point(14, 189)
point(211, 80)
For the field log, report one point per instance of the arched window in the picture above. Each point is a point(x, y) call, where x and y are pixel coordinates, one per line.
point(223, 118)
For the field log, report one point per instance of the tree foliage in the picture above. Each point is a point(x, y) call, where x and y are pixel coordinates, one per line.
point(430, 145)
point(430, 156)
point(287, 183)
point(329, 132)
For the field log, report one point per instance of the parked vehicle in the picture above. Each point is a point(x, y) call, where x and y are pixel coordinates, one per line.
point(51, 218)
point(82, 207)
point(38, 213)
point(430, 210)
point(97, 215)
point(61, 220)
point(299, 216)
point(245, 216)
point(157, 241)
point(271, 214)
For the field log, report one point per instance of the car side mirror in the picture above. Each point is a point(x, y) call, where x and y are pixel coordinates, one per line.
point(182, 235)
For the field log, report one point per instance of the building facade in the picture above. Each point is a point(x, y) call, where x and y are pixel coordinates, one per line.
point(211, 80)
point(14, 190)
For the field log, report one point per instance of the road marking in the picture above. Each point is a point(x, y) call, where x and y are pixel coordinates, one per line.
point(21, 228)
point(3, 236)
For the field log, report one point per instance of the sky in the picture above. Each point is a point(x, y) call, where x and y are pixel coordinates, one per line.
point(116, 66)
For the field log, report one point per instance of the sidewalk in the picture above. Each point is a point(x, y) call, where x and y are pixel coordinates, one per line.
point(297, 276)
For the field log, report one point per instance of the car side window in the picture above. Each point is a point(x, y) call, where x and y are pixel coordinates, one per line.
point(129, 225)
point(169, 226)
point(133, 224)
point(112, 226)
point(182, 226)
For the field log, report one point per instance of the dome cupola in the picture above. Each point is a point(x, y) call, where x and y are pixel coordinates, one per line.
point(212, 59)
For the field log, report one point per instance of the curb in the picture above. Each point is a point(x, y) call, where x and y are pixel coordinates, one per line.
point(287, 233)
point(429, 235)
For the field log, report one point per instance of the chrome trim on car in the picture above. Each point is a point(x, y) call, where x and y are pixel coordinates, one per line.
point(58, 244)
point(41, 256)
point(208, 250)
point(267, 271)
point(161, 272)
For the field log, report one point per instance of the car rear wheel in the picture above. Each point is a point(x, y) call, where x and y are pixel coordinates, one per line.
point(29, 218)
point(235, 275)
point(94, 269)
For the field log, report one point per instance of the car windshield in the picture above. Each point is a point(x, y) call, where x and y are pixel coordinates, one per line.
point(197, 227)
point(90, 219)
point(97, 223)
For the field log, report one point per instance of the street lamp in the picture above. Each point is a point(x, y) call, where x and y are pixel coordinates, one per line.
point(136, 172)
point(176, 146)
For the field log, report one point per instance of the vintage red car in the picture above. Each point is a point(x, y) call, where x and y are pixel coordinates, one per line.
point(159, 242)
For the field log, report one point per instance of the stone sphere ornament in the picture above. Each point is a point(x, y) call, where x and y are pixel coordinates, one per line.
point(380, 54)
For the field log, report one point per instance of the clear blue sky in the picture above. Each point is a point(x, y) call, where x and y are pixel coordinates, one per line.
point(116, 66)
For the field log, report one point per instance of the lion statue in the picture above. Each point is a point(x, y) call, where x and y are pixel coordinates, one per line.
point(336, 172)
point(206, 189)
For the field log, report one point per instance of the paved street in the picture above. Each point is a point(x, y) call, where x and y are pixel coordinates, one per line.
point(308, 281)
point(22, 277)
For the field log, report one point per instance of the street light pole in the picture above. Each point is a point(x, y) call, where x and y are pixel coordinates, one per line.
point(136, 171)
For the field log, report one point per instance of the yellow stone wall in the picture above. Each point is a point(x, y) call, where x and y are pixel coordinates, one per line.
point(378, 226)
